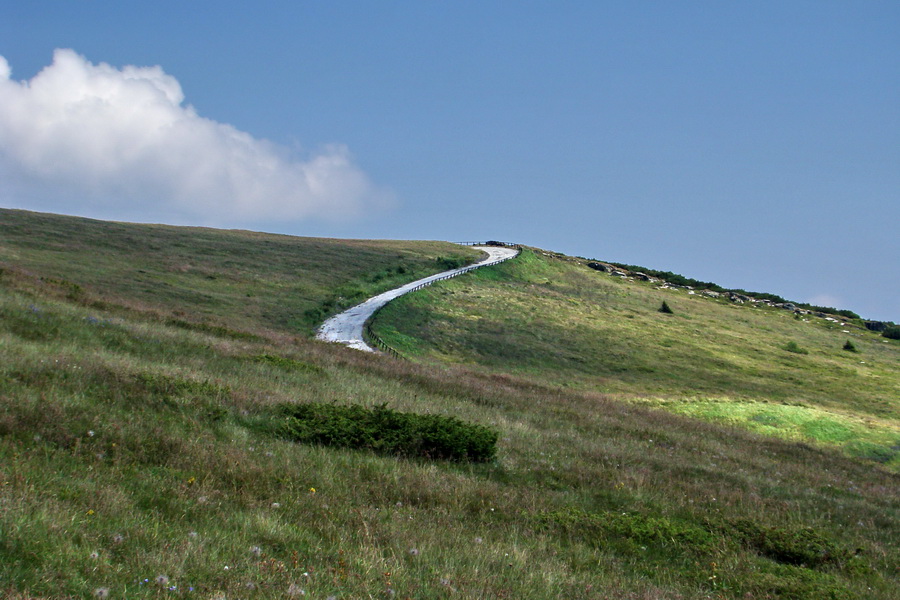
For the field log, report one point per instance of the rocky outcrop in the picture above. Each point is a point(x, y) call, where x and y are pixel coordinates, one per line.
point(605, 268)
point(876, 326)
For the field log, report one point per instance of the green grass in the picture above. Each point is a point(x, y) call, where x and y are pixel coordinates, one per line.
point(239, 279)
point(129, 450)
point(553, 319)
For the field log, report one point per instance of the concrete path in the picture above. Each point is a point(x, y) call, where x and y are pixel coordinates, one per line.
point(347, 327)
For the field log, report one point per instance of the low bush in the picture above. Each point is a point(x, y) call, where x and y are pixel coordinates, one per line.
point(795, 348)
point(801, 546)
point(871, 451)
point(665, 308)
point(892, 332)
point(849, 347)
point(450, 262)
point(387, 431)
point(603, 527)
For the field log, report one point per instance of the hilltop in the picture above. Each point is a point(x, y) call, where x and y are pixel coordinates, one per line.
point(770, 366)
point(148, 376)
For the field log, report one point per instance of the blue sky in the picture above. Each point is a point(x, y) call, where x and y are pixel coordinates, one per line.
point(756, 145)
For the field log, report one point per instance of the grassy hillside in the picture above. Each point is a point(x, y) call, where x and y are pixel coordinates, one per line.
point(552, 319)
point(239, 278)
point(140, 458)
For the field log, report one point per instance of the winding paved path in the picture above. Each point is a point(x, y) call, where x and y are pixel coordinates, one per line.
point(347, 327)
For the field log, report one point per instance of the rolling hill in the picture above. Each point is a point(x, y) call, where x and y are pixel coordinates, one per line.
point(146, 373)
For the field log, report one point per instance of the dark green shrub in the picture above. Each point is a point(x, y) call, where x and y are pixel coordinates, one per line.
point(849, 347)
point(892, 332)
point(871, 451)
point(665, 308)
point(450, 262)
point(787, 582)
point(794, 347)
point(802, 546)
point(387, 431)
point(604, 527)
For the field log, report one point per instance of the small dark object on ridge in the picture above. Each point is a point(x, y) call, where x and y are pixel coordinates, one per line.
point(665, 308)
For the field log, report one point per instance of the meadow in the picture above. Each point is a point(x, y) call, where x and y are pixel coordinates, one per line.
point(139, 456)
point(550, 318)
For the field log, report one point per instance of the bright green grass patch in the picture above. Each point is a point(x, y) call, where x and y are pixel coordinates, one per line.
point(870, 438)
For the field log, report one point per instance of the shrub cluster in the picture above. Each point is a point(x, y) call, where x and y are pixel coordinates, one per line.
point(800, 546)
point(676, 279)
point(892, 332)
point(450, 262)
point(604, 527)
point(794, 347)
point(387, 431)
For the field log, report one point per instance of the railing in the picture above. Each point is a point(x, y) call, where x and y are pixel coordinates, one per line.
point(382, 345)
point(379, 343)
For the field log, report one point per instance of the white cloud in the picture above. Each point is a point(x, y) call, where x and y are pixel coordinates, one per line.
point(120, 143)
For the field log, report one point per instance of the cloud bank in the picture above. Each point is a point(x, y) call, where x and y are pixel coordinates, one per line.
point(120, 143)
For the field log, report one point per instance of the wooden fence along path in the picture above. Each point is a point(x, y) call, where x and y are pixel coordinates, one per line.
point(371, 336)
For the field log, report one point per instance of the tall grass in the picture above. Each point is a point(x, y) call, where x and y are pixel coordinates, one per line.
point(130, 467)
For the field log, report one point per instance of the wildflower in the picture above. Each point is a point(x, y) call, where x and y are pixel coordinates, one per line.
point(399, 505)
point(202, 499)
point(118, 538)
point(250, 585)
point(276, 505)
point(478, 540)
point(445, 582)
point(413, 551)
point(101, 593)
point(192, 534)
point(95, 555)
point(91, 433)
point(256, 551)
point(161, 580)
point(312, 490)
point(90, 511)
point(295, 590)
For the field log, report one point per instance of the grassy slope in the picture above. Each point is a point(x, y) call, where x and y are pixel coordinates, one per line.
point(553, 319)
point(128, 450)
point(239, 278)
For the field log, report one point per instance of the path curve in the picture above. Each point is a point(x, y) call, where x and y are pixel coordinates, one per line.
point(347, 327)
